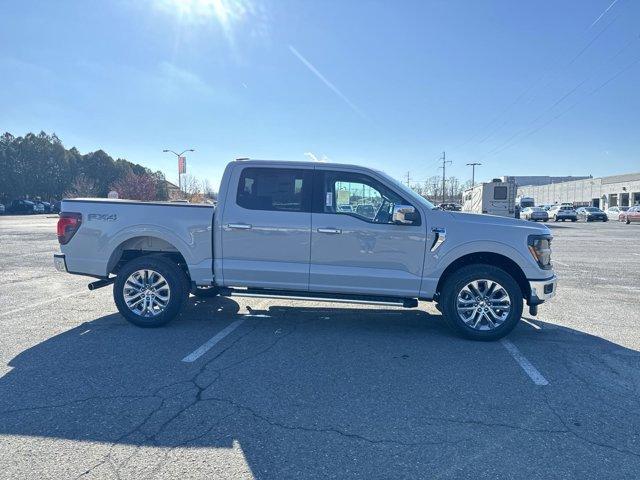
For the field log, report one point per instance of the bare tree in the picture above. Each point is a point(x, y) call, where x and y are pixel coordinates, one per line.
point(454, 188)
point(433, 187)
point(136, 187)
point(82, 186)
point(207, 189)
point(191, 184)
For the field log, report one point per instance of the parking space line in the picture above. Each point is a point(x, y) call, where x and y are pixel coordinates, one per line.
point(526, 365)
point(198, 352)
point(529, 322)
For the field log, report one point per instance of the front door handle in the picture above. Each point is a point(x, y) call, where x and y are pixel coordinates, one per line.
point(239, 226)
point(329, 230)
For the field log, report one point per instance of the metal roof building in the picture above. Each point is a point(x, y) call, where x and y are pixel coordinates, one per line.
point(602, 192)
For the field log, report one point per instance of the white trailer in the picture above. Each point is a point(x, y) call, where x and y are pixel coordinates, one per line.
point(493, 198)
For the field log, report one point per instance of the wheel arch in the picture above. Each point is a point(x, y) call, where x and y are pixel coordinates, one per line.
point(140, 245)
point(487, 258)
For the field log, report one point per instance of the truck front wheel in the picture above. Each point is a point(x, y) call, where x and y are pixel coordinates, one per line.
point(149, 291)
point(481, 302)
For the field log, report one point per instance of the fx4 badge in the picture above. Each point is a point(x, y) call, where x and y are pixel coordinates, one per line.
point(105, 217)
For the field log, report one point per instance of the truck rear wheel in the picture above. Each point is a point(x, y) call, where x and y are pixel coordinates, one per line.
point(149, 291)
point(481, 302)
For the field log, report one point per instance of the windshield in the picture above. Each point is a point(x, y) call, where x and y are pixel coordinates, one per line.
point(592, 209)
point(407, 192)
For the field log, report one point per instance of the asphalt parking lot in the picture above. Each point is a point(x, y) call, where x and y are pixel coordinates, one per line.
point(303, 390)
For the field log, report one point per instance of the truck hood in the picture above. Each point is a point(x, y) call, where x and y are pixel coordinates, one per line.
point(477, 220)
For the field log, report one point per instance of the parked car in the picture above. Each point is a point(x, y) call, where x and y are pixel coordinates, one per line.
point(48, 207)
point(2, 209)
point(453, 207)
point(534, 214)
point(274, 235)
point(591, 214)
point(55, 207)
point(630, 215)
point(562, 213)
point(613, 213)
point(38, 207)
point(21, 207)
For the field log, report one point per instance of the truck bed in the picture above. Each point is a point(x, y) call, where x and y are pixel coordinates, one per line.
point(111, 227)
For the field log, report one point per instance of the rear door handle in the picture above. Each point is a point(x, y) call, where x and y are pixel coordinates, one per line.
point(329, 230)
point(239, 226)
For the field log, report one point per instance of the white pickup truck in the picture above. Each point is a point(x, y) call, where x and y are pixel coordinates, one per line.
point(309, 231)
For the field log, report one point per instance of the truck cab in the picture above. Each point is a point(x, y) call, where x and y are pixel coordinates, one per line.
point(309, 230)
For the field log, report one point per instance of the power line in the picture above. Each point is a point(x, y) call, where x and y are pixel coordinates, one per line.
point(571, 107)
point(509, 141)
point(538, 79)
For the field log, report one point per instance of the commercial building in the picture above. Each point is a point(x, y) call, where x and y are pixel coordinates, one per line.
point(603, 192)
point(522, 180)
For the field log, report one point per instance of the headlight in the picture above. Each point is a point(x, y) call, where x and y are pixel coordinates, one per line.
point(540, 248)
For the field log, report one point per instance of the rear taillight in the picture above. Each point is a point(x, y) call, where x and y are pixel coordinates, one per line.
point(68, 225)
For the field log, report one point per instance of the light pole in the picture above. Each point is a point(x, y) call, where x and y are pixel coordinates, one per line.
point(473, 172)
point(179, 155)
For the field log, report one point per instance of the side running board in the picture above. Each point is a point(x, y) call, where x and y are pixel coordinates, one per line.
point(319, 296)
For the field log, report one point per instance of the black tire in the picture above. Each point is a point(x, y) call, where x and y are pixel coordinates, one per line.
point(555, 218)
point(174, 278)
point(574, 220)
point(459, 279)
point(628, 221)
point(205, 292)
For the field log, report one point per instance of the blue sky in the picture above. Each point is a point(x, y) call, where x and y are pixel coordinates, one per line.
point(539, 87)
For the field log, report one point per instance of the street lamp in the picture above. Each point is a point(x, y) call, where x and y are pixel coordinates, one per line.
point(179, 155)
point(473, 172)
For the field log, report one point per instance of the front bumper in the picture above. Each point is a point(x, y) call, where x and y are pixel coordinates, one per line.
point(60, 262)
point(542, 290)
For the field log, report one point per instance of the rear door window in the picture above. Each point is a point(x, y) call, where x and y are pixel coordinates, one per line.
point(275, 189)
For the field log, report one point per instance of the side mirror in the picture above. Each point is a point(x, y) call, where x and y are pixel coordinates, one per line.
point(404, 214)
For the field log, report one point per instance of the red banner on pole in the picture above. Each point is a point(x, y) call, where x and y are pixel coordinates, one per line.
point(182, 165)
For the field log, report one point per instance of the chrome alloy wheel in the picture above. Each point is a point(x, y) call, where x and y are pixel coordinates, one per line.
point(146, 293)
point(483, 304)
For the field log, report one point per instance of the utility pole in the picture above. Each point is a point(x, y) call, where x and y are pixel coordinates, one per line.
point(473, 172)
point(409, 179)
point(444, 166)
